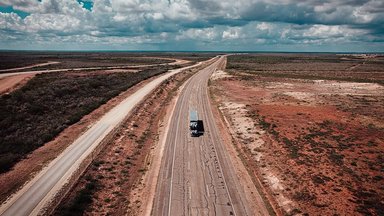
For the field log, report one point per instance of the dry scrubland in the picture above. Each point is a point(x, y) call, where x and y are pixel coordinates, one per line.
point(113, 184)
point(46, 113)
point(92, 59)
point(310, 127)
point(49, 103)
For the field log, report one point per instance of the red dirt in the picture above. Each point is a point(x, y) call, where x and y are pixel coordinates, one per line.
point(34, 162)
point(8, 84)
point(120, 167)
point(323, 141)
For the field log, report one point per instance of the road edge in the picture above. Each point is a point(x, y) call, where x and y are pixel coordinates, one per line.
point(230, 145)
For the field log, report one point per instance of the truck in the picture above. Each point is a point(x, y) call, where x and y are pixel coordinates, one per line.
point(196, 126)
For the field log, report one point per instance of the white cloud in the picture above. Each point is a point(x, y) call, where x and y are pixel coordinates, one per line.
point(51, 22)
point(205, 34)
point(324, 31)
point(232, 33)
point(10, 21)
point(23, 5)
point(264, 26)
point(209, 22)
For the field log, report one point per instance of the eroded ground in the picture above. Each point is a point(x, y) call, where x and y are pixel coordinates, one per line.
point(316, 145)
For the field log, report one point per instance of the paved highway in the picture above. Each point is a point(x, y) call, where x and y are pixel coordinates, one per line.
point(35, 195)
point(196, 177)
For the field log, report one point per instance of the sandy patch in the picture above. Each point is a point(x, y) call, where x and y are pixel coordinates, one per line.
point(10, 83)
point(121, 71)
point(279, 85)
point(312, 92)
point(244, 127)
point(219, 74)
point(302, 96)
point(348, 87)
point(249, 132)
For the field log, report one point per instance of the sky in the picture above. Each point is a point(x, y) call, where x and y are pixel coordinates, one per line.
point(193, 25)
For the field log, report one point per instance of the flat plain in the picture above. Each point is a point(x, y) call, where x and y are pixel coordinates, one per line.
point(42, 115)
point(305, 131)
point(310, 126)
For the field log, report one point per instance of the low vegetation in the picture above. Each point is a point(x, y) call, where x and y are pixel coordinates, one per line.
point(120, 166)
point(318, 134)
point(78, 205)
point(47, 104)
point(77, 59)
point(313, 67)
point(93, 59)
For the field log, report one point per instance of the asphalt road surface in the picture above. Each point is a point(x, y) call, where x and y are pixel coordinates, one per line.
point(196, 177)
point(35, 195)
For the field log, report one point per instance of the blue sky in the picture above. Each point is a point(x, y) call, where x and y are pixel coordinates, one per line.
point(193, 25)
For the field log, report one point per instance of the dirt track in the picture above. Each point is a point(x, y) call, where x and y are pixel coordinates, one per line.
point(7, 84)
point(12, 78)
point(27, 67)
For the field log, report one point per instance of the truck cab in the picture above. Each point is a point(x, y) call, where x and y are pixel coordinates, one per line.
point(195, 125)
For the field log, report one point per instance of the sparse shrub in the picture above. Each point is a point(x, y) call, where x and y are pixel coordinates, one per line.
point(82, 200)
point(336, 158)
point(303, 195)
point(48, 103)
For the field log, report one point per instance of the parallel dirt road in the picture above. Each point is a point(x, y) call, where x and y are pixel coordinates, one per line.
point(35, 195)
point(2, 75)
point(11, 79)
point(196, 176)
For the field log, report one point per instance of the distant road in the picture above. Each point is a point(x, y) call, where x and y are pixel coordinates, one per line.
point(196, 175)
point(2, 75)
point(30, 66)
point(41, 189)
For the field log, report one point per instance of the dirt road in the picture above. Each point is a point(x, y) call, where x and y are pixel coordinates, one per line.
point(3, 75)
point(30, 66)
point(35, 195)
point(10, 82)
point(11, 79)
point(196, 175)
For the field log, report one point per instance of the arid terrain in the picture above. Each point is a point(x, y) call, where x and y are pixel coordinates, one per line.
point(58, 60)
point(309, 127)
point(113, 185)
point(286, 134)
point(85, 96)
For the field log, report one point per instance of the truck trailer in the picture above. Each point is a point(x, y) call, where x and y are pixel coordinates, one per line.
point(196, 126)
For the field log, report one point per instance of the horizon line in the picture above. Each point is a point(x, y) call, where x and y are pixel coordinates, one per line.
point(190, 51)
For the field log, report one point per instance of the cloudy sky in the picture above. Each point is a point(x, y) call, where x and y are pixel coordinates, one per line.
point(220, 25)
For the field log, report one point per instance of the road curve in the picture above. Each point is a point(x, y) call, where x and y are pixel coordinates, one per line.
point(3, 75)
point(196, 176)
point(29, 66)
point(35, 195)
